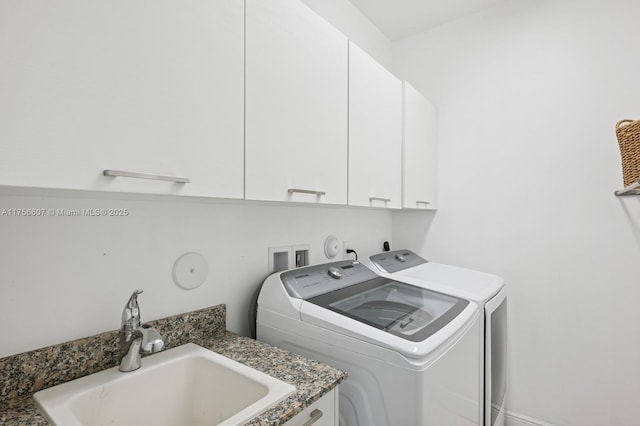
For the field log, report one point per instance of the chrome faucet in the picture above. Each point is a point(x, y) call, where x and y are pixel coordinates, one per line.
point(136, 338)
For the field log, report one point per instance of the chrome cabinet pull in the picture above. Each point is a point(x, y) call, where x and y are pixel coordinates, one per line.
point(315, 416)
point(120, 173)
point(306, 191)
point(426, 203)
point(386, 200)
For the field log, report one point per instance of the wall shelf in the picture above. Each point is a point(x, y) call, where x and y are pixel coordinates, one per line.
point(633, 189)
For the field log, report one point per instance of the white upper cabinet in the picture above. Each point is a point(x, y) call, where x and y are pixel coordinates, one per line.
point(296, 105)
point(375, 133)
point(148, 87)
point(419, 151)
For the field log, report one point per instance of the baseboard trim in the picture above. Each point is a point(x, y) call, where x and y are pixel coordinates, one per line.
point(516, 419)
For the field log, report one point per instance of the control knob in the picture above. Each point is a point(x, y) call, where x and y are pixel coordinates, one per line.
point(334, 273)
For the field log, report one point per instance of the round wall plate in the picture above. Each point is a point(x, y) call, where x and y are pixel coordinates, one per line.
point(331, 247)
point(190, 270)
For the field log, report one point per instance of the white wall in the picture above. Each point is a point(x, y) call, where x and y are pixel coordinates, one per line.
point(63, 278)
point(528, 95)
point(68, 277)
point(345, 17)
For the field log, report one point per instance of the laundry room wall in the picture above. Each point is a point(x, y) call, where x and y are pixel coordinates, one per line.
point(63, 278)
point(347, 18)
point(528, 95)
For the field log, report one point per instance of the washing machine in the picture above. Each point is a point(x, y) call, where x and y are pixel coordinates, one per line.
point(409, 352)
point(488, 291)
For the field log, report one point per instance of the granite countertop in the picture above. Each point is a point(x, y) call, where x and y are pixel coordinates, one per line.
point(22, 375)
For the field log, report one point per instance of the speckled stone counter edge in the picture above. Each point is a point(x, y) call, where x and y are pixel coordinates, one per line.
point(24, 374)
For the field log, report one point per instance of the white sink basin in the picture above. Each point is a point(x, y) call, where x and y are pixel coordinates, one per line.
point(187, 385)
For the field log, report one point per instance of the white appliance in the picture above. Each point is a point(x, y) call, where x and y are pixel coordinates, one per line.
point(488, 291)
point(409, 352)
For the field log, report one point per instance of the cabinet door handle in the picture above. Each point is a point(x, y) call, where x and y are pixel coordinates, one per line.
point(386, 200)
point(426, 203)
point(121, 173)
point(315, 416)
point(306, 191)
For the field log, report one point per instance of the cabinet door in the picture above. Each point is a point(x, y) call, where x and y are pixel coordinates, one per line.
point(149, 87)
point(375, 133)
point(419, 151)
point(296, 104)
point(323, 412)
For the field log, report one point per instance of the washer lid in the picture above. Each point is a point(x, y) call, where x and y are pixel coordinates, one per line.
point(421, 351)
point(409, 312)
point(348, 298)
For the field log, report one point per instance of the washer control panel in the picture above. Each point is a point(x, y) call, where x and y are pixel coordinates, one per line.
point(398, 260)
point(311, 281)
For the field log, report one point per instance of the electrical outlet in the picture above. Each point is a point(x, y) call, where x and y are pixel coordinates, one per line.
point(346, 245)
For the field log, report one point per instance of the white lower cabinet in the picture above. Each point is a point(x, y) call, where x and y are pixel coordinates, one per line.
point(323, 412)
point(144, 87)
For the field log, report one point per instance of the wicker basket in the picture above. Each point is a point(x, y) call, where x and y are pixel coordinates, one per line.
point(628, 133)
